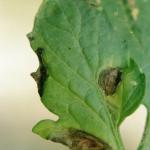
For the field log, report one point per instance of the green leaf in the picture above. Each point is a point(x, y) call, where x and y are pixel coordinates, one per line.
point(138, 15)
point(90, 70)
point(129, 93)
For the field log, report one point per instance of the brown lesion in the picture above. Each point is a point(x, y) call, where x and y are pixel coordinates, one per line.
point(79, 140)
point(109, 80)
point(41, 74)
point(83, 141)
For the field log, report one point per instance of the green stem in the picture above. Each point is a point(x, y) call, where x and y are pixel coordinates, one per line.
point(118, 141)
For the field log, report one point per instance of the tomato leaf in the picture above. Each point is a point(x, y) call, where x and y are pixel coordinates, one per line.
point(91, 70)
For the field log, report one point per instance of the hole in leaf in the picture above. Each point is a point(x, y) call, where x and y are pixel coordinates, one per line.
point(133, 127)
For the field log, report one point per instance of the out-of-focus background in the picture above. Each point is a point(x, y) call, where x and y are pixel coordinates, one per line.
point(20, 106)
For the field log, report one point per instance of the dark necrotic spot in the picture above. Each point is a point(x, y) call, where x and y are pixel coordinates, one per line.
point(30, 37)
point(41, 74)
point(109, 80)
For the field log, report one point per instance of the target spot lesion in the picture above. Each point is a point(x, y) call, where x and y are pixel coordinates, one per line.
point(79, 140)
point(109, 80)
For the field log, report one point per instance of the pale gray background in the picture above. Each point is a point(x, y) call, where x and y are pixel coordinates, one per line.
point(20, 106)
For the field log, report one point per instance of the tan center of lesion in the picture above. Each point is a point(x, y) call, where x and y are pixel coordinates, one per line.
point(83, 141)
point(109, 80)
point(134, 9)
